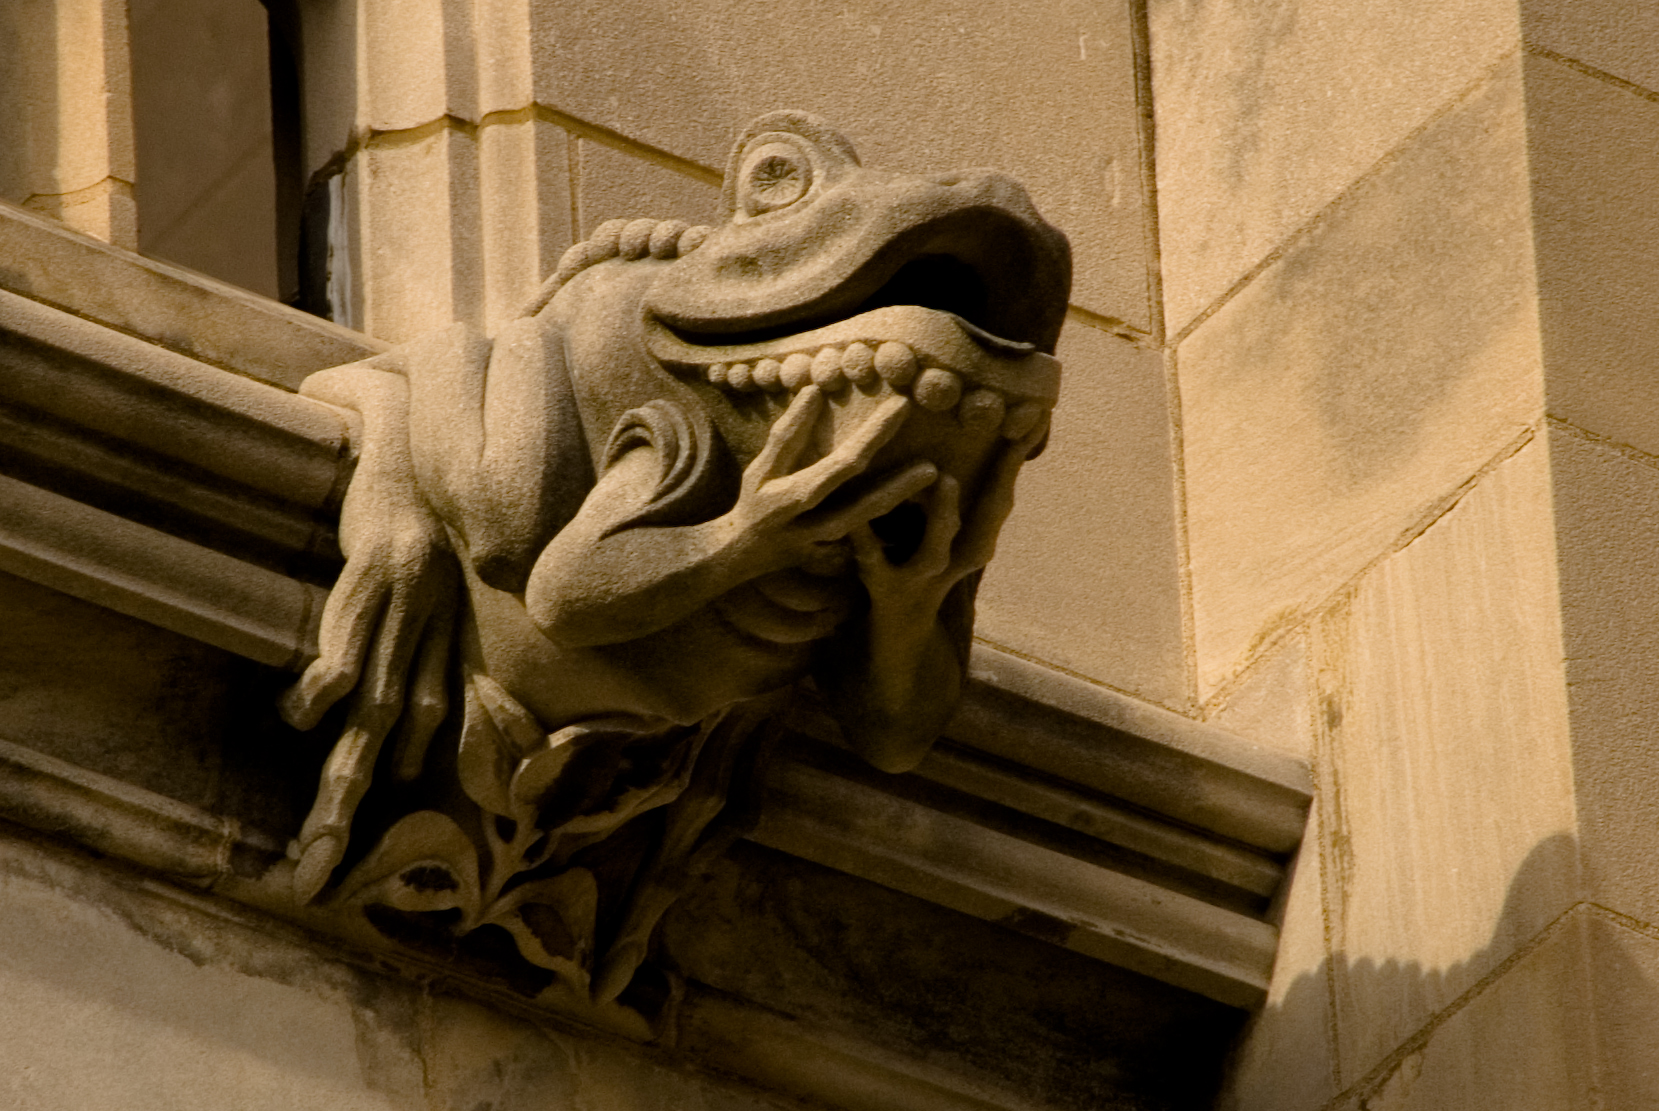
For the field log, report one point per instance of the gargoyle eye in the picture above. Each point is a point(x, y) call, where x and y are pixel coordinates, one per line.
point(774, 175)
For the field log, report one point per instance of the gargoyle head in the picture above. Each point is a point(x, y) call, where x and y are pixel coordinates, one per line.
point(949, 288)
point(813, 238)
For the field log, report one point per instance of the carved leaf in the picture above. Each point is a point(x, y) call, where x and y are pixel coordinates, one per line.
point(424, 863)
point(662, 786)
point(552, 920)
point(541, 771)
point(519, 728)
point(483, 763)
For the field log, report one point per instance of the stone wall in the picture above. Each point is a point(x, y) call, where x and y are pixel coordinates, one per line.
point(1400, 253)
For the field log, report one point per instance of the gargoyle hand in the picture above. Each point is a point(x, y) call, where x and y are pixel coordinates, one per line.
point(908, 665)
point(907, 596)
point(778, 521)
point(386, 628)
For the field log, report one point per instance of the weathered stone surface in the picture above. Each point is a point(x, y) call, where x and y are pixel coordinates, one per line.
point(614, 185)
point(1522, 1042)
point(416, 64)
point(1593, 150)
point(184, 1005)
point(1097, 590)
point(120, 995)
point(415, 214)
point(1448, 817)
point(126, 699)
point(1619, 37)
point(948, 84)
point(68, 137)
point(1028, 1024)
point(329, 61)
point(1274, 703)
point(524, 182)
point(1318, 426)
point(1285, 1059)
point(172, 307)
point(1623, 971)
point(1267, 112)
point(112, 694)
point(512, 54)
point(1605, 498)
point(478, 1057)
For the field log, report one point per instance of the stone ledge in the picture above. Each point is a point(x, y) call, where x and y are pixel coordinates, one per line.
point(219, 863)
point(232, 873)
point(110, 561)
point(176, 308)
point(989, 874)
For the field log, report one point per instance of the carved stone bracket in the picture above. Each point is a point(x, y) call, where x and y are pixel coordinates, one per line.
point(151, 481)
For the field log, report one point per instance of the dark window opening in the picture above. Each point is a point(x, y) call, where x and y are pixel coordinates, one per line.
point(217, 127)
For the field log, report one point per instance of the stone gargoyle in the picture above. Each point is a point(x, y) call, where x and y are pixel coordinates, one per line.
point(703, 471)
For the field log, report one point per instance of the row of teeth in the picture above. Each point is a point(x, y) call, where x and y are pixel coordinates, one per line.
point(834, 368)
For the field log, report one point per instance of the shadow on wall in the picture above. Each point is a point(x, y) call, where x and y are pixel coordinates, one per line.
point(1528, 1047)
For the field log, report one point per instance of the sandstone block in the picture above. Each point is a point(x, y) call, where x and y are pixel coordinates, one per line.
point(1606, 505)
point(1448, 787)
point(1273, 705)
point(1593, 149)
point(1267, 112)
point(185, 1014)
point(206, 188)
point(1043, 91)
point(1087, 572)
point(1620, 37)
point(614, 185)
point(418, 63)
point(1340, 397)
point(104, 210)
point(330, 62)
point(1285, 1059)
point(524, 194)
point(67, 136)
point(418, 235)
point(1523, 1043)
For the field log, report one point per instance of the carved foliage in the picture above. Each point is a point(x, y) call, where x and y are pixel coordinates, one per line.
point(543, 799)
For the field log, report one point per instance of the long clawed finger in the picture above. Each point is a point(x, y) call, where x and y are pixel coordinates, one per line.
point(354, 607)
point(350, 766)
point(996, 502)
point(944, 518)
point(878, 502)
point(428, 702)
point(868, 550)
point(790, 435)
point(853, 455)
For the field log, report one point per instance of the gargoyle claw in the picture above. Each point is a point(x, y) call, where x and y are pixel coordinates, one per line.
point(317, 860)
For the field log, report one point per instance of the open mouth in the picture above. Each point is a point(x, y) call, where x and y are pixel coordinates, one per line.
point(956, 331)
point(935, 356)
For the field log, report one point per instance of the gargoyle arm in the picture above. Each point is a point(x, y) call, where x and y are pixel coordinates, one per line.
point(597, 583)
point(894, 675)
point(497, 441)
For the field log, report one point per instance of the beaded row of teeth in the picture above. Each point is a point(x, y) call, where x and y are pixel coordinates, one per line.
point(834, 368)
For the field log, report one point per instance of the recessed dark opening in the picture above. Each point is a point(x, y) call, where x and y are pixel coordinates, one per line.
point(935, 282)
